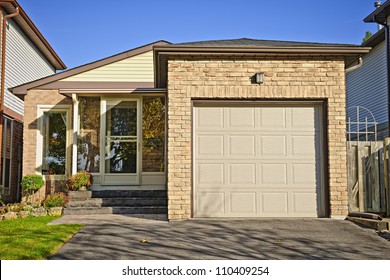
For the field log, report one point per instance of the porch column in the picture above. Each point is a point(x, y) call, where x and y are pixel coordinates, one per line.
point(75, 132)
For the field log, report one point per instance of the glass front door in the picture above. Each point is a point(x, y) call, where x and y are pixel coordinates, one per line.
point(121, 141)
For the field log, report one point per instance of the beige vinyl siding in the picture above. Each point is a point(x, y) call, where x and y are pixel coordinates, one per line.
point(24, 63)
point(138, 68)
point(366, 86)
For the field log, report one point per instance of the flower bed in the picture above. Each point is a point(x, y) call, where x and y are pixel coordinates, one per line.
point(52, 206)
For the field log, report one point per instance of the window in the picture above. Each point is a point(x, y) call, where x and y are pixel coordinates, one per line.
point(88, 146)
point(53, 140)
point(153, 129)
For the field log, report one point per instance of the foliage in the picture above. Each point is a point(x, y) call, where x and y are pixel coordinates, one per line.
point(367, 36)
point(4, 208)
point(32, 238)
point(28, 208)
point(80, 180)
point(16, 207)
point(55, 200)
point(153, 121)
point(32, 182)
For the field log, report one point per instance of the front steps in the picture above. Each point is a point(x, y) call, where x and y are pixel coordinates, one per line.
point(137, 203)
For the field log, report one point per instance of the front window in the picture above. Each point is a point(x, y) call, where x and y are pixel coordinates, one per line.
point(88, 146)
point(153, 128)
point(54, 143)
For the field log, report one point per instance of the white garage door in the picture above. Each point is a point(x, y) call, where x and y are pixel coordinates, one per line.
point(257, 161)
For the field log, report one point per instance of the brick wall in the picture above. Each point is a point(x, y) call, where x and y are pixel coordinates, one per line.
point(32, 100)
point(229, 78)
point(11, 194)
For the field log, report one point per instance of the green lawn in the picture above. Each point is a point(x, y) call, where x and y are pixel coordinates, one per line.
point(32, 238)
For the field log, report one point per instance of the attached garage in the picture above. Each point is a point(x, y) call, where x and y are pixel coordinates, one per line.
point(257, 159)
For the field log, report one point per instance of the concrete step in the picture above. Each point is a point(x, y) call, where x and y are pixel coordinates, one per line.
point(117, 201)
point(374, 224)
point(152, 210)
point(129, 193)
point(79, 195)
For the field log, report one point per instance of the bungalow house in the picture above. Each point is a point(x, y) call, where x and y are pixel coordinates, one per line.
point(25, 56)
point(227, 128)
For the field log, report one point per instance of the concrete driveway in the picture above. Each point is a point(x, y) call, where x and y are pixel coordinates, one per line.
point(119, 237)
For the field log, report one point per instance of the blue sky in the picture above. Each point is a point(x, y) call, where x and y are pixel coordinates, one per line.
point(82, 31)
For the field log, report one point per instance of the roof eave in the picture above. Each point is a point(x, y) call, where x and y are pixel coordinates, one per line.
point(262, 50)
point(379, 15)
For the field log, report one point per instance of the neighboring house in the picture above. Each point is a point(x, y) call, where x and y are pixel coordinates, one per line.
point(367, 85)
point(230, 128)
point(28, 56)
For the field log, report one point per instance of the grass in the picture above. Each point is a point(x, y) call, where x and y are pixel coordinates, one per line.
point(32, 238)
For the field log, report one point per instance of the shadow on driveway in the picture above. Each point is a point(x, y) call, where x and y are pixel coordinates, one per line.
point(308, 239)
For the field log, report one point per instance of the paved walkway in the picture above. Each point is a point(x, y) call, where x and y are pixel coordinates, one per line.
point(119, 237)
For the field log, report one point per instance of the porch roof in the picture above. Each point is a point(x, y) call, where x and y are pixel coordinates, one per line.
point(54, 81)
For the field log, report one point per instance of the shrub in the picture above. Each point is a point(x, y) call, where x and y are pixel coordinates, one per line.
point(16, 207)
point(55, 200)
point(32, 182)
point(81, 179)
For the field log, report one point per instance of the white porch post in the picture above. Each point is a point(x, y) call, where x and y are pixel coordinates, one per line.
point(75, 132)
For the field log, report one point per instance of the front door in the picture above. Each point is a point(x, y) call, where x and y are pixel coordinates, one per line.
point(120, 142)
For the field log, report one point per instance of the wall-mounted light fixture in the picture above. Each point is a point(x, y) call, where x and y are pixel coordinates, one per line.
point(259, 78)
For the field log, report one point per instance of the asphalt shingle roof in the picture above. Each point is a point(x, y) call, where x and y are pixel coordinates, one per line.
point(247, 42)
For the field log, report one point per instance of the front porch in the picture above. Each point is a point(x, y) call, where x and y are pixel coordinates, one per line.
point(119, 140)
point(149, 204)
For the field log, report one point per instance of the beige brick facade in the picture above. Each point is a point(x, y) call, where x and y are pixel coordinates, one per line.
point(298, 78)
point(32, 100)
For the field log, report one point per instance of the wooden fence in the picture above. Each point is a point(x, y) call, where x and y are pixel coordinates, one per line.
point(368, 176)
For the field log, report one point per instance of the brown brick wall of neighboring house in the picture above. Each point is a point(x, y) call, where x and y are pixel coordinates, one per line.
point(32, 100)
point(229, 78)
point(11, 194)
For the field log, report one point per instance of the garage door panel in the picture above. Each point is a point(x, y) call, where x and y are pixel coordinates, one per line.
point(274, 203)
point(210, 173)
point(273, 173)
point(210, 145)
point(242, 145)
point(303, 145)
point(304, 174)
point(272, 117)
point(210, 203)
point(273, 145)
point(305, 203)
point(241, 117)
point(242, 173)
point(259, 162)
point(304, 118)
point(210, 118)
point(243, 203)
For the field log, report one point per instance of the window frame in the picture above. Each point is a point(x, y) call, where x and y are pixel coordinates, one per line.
point(67, 109)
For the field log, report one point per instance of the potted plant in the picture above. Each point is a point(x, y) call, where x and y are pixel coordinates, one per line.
point(54, 203)
point(80, 181)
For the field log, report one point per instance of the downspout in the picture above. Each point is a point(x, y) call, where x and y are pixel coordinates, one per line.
point(388, 73)
point(3, 49)
point(387, 41)
point(357, 66)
